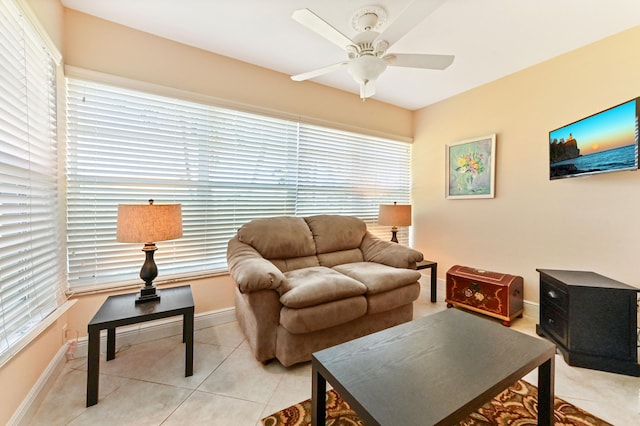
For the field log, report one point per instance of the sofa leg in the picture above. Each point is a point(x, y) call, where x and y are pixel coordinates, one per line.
point(268, 361)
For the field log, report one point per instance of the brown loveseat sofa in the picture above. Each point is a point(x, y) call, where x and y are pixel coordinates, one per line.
point(304, 284)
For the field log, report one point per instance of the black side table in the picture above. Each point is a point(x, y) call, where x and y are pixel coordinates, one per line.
point(121, 310)
point(427, 264)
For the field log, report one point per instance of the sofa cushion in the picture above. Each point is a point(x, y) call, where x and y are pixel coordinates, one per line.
point(335, 233)
point(317, 285)
point(280, 237)
point(319, 317)
point(339, 257)
point(295, 263)
point(392, 299)
point(378, 278)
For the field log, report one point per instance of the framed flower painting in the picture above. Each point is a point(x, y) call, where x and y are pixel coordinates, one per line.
point(471, 168)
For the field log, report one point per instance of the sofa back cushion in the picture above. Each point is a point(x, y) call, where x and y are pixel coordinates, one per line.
point(334, 233)
point(281, 237)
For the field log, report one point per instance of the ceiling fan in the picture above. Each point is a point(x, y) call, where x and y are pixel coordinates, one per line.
point(367, 50)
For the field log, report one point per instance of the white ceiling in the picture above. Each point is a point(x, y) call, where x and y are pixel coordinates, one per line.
point(490, 38)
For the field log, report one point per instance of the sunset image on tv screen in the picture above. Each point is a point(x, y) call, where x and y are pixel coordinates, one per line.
point(603, 142)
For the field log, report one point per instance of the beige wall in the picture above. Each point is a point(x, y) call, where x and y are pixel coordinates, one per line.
point(99, 45)
point(587, 223)
point(49, 14)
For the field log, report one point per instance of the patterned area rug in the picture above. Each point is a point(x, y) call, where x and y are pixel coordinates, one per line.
point(516, 406)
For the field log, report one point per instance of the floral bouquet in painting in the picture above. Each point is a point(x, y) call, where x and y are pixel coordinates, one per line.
point(471, 168)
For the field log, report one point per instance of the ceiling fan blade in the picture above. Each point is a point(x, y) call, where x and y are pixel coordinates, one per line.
point(367, 89)
point(319, 71)
point(432, 62)
point(414, 13)
point(321, 27)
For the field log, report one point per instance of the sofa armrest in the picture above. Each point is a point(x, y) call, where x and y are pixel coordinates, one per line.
point(250, 271)
point(389, 253)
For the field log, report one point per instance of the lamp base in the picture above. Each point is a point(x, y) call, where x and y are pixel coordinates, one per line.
point(148, 273)
point(148, 294)
point(394, 234)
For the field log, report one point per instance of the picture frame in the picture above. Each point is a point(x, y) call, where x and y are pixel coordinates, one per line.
point(470, 168)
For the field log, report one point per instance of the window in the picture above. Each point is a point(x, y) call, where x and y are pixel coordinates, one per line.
point(32, 280)
point(225, 167)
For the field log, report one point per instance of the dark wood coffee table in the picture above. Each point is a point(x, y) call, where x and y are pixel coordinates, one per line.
point(432, 371)
point(121, 310)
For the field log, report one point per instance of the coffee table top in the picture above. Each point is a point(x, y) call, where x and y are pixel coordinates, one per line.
point(122, 310)
point(434, 370)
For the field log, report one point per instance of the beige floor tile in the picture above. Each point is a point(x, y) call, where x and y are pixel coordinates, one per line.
point(292, 389)
point(223, 335)
point(145, 384)
point(68, 397)
point(241, 376)
point(134, 403)
point(136, 360)
point(215, 410)
point(65, 401)
point(170, 368)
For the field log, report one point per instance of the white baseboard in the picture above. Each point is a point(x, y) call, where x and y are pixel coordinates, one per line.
point(531, 309)
point(143, 332)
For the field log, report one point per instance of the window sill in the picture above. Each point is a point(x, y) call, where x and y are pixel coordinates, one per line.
point(128, 286)
point(36, 332)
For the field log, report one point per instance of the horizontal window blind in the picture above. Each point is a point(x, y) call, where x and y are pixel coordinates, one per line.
point(225, 167)
point(351, 174)
point(31, 263)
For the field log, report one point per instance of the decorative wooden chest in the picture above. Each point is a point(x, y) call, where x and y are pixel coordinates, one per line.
point(491, 293)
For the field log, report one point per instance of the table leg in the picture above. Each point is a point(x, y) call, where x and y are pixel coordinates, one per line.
point(93, 367)
point(111, 343)
point(318, 397)
point(187, 337)
point(546, 373)
point(434, 282)
point(184, 328)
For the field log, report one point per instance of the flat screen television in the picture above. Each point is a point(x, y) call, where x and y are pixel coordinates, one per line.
point(601, 143)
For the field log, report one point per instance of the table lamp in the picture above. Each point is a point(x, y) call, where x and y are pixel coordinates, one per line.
point(394, 215)
point(148, 223)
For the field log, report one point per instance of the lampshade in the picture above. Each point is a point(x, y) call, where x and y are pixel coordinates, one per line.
point(395, 214)
point(145, 223)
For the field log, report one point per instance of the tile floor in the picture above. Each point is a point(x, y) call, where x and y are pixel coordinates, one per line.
point(145, 384)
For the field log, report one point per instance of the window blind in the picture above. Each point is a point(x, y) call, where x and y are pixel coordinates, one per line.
point(31, 255)
point(225, 167)
point(351, 174)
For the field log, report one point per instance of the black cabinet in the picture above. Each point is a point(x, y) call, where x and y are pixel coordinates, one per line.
point(592, 319)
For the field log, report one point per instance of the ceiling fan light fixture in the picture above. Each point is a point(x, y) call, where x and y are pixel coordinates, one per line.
point(366, 68)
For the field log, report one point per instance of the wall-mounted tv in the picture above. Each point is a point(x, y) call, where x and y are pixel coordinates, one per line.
point(601, 143)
